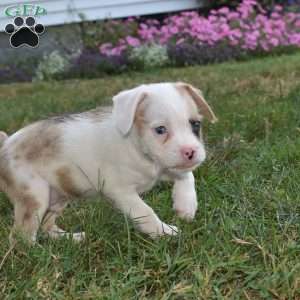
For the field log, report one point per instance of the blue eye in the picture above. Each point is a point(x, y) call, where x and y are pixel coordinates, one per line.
point(160, 130)
point(196, 125)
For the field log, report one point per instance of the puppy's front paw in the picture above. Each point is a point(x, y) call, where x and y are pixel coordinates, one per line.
point(185, 198)
point(160, 229)
point(169, 229)
point(186, 209)
point(164, 229)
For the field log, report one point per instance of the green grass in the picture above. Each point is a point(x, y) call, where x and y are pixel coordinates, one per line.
point(244, 242)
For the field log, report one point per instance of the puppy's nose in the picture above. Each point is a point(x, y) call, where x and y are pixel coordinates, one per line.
point(188, 152)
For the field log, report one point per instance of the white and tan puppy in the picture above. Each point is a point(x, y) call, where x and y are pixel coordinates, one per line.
point(153, 132)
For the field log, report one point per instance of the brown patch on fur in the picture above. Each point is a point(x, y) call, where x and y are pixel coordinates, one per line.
point(139, 119)
point(5, 174)
point(45, 146)
point(39, 141)
point(66, 182)
point(24, 187)
point(167, 137)
point(26, 213)
point(30, 206)
point(97, 114)
point(193, 109)
point(199, 100)
point(57, 203)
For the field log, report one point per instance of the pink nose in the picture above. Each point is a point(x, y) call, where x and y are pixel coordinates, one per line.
point(188, 153)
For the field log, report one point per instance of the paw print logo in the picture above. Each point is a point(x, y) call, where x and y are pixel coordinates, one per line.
point(24, 32)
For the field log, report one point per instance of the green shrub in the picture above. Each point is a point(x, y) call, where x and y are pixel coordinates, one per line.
point(148, 56)
point(51, 65)
point(110, 31)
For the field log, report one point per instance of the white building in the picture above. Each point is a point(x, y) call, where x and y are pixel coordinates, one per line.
point(57, 12)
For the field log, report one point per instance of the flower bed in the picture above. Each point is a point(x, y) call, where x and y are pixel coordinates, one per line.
point(249, 27)
point(190, 38)
point(187, 38)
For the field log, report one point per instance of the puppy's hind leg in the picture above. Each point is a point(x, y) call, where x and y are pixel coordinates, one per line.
point(57, 203)
point(31, 200)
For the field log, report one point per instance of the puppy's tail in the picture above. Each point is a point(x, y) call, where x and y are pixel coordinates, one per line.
point(3, 137)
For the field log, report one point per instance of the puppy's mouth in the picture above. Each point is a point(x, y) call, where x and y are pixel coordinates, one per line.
point(186, 167)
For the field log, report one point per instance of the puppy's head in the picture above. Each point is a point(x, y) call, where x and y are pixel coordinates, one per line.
point(166, 119)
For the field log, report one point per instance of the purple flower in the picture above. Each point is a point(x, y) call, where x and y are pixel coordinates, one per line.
point(14, 73)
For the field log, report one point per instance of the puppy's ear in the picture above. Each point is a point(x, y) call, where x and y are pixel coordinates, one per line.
point(125, 106)
point(200, 101)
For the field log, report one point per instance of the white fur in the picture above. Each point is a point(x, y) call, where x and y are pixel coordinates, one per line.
point(110, 155)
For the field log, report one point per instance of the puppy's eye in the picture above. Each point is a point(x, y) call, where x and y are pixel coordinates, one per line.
point(160, 130)
point(196, 125)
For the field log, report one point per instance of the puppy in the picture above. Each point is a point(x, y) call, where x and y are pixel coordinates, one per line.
point(153, 132)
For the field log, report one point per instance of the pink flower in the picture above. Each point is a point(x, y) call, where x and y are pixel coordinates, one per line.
point(132, 41)
point(278, 8)
point(249, 26)
point(297, 24)
point(174, 30)
point(224, 10)
point(291, 17)
point(233, 16)
point(275, 15)
point(105, 48)
point(274, 42)
point(265, 46)
point(180, 41)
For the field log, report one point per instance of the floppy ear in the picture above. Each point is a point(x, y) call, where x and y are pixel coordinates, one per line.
point(125, 106)
point(200, 101)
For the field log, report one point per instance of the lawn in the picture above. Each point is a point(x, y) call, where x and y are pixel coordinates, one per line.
point(244, 242)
